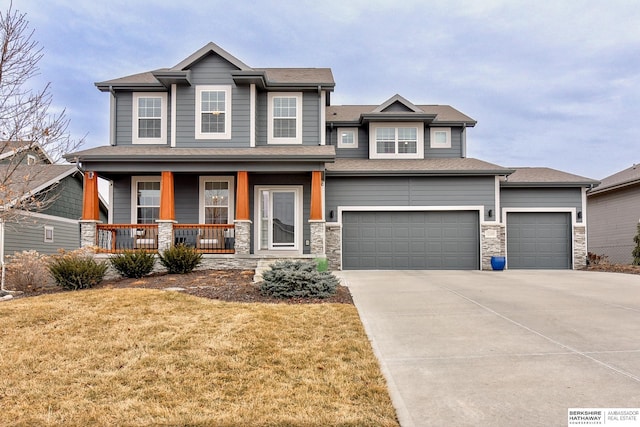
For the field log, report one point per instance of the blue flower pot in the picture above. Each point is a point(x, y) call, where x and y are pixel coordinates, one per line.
point(498, 262)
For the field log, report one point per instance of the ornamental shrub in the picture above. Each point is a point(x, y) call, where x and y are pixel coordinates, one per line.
point(27, 271)
point(298, 279)
point(180, 259)
point(133, 264)
point(75, 270)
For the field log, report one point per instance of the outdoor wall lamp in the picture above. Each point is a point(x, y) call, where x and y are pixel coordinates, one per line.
point(490, 213)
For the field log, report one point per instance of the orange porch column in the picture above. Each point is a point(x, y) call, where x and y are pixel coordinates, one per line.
point(316, 196)
point(167, 199)
point(242, 196)
point(90, 203)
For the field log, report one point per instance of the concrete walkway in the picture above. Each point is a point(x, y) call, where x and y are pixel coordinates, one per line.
point(472, 348)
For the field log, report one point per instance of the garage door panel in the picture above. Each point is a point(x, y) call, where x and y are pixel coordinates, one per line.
point(539, 240)
point(411, 240)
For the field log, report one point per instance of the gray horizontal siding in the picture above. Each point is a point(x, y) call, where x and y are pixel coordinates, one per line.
point(310, 118)
point(413, 191)
point(121, 203)
point(362, 151)
point(29, 234)
point(613, 220)
point(124, 118)
point(454, 151)
point(541, 198)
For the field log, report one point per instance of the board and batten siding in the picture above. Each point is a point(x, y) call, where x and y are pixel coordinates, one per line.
point(410, 191)
point(613, 220)
point(29, 234)
point(541, 198)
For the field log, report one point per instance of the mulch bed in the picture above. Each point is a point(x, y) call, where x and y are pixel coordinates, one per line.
point(223, 285)
point(615, 268)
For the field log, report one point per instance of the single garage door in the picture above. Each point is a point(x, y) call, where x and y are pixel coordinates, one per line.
point(410, 240)
point(539, 240)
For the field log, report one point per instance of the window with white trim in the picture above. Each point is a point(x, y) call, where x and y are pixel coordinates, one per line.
point(440, 138)
point(347, 137)
point(145, 203)
point(396, 140)
point(149, 118)
point(284, 118)
point(48, 234)
point(213, 112)
point(31, 159)
point(216, 199)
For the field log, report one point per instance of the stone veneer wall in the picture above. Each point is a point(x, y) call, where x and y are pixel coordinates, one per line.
point(88, 233)
point(492, 242)
point(333, 248)
point(579, 246)
point(165, 234)
point(242, 237)
point(317, 237)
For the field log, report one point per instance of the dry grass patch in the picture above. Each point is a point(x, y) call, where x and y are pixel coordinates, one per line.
point(145, 357)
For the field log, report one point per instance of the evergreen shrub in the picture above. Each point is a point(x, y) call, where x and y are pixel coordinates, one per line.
point(298, 279)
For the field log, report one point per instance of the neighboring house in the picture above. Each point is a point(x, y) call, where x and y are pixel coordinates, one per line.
point(42, 201)
point(248, 163)
point(614, 212)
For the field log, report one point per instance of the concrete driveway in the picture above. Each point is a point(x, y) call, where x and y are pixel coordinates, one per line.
point(502, 348)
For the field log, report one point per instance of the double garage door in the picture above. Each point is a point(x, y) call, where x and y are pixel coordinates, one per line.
point(410, 240)
point(449, 240)
point(538, 240)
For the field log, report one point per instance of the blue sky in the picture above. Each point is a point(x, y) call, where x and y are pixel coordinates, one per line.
point(552, 84)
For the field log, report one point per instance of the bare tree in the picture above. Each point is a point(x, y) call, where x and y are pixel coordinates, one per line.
point(26, 124)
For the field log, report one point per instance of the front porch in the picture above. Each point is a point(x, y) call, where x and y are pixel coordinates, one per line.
point(226, 227)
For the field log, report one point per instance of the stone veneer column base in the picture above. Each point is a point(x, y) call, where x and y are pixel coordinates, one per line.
point(165, 234)
point(492, 243)
point(333, 245)
point(579, 247)
point(89, 233)
point(317, 237)
point(242, 239)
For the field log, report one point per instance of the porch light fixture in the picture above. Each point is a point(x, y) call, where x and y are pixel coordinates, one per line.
point(490, 213)
point(579, 214)
point(331, 214)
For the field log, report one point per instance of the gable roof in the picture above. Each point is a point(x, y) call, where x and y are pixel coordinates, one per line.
point(433, 166)
point(622, 179)
point(545, 177)
point(28, 180)
point(11, 148)
point(399, 100)
point(162, 78)
point(352, 114)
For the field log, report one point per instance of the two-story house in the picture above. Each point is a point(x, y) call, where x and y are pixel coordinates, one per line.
point(247, 163)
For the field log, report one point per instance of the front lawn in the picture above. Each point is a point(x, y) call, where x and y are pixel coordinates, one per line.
point(147, 357)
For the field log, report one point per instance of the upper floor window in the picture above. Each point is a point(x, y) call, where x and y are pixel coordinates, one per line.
point(31, 159)
point(149, 118)
point(213, 112)
point(146, 199)
point(396, 140)
point(285, 118)
point(440, 138)
point(347, 138)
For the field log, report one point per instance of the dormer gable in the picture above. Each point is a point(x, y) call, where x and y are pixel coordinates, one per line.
point(397, 104)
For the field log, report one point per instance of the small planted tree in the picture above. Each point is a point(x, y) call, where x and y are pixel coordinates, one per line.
point(636, 250)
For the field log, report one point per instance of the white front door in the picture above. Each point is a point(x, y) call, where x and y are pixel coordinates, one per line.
point(278, 218)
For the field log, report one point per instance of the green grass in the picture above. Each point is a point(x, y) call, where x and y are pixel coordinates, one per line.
point(146, 357)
